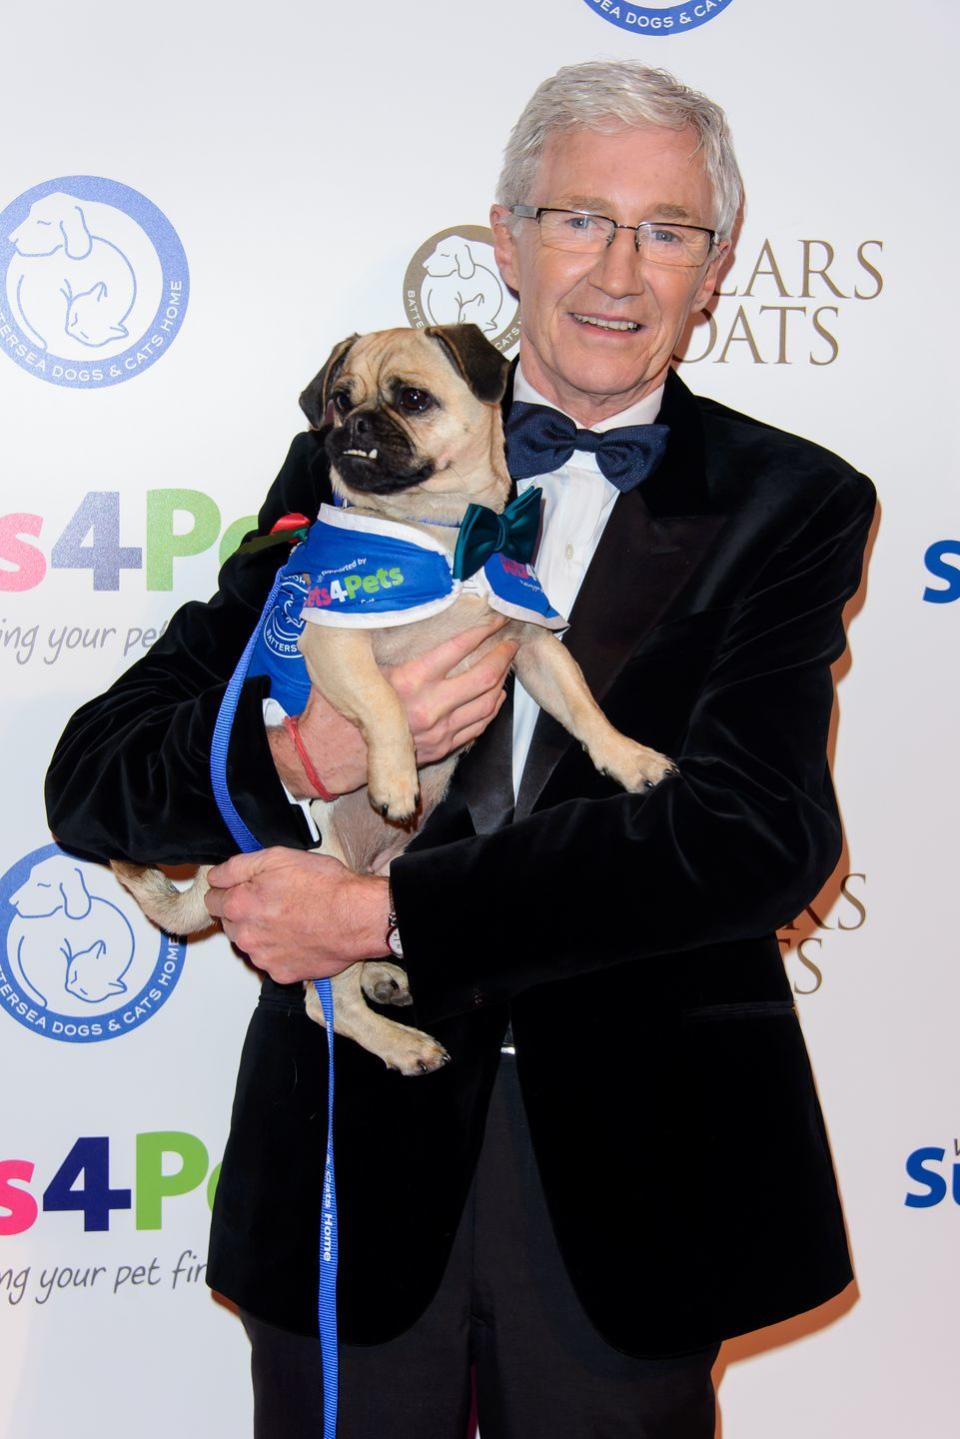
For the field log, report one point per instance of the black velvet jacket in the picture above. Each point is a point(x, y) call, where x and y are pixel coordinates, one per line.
point(629, 938)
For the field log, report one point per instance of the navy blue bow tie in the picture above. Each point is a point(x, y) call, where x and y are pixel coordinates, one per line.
point(540, 440)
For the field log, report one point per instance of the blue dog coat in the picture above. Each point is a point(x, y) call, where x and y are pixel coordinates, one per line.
point(364, 572)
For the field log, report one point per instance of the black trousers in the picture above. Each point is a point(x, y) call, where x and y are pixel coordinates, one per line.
point(505, 1332)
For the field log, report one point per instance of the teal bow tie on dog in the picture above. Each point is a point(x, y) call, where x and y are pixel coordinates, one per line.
point(484, 533)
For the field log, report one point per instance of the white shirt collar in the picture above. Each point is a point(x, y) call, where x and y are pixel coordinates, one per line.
point(644, 412)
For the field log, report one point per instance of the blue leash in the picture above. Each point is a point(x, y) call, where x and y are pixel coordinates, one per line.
point(247, 843)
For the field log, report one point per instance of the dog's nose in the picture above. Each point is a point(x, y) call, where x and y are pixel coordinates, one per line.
point(361, 426)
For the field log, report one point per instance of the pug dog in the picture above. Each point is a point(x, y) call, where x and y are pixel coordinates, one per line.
point(415, 439)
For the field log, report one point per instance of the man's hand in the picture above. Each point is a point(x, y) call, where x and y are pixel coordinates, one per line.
point(299, 916)
point(443, 711)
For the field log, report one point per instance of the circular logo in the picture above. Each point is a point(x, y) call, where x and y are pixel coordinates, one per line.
point(453, 280)
point(79, 962)
point(283, 626)
point(661, 18)
point(95, 282)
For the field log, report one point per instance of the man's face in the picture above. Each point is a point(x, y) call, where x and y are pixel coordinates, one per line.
point(637, 174)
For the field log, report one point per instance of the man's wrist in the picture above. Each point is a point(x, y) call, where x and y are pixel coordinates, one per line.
point(292, 726)
point(394, 942)
point(288, 764)
point(374, 910)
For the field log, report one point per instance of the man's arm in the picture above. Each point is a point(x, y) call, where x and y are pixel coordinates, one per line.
point(130, 778)
point(732, 847)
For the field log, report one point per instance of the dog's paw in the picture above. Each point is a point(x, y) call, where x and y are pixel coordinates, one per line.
point(636, 767)
point(385, 983)
point(412, 1052)
point(398, 804)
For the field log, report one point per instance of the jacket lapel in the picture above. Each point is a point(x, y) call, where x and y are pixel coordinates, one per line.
point(654, 540)
point(656, 537)
point(483, 780)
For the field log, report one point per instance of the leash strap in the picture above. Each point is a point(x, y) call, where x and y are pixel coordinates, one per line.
point(247, 843)
point(329, 1242)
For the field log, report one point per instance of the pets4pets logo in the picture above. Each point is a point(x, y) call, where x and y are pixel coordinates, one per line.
point(95, 282)
point(83, 1183)
point(661, 18)
point(78, 960)
point(453, 280)
point(176, 524)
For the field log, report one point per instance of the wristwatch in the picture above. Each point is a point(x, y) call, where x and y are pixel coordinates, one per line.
point(393, 934)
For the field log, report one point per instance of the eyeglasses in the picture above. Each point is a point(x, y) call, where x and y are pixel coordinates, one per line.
point(581, 230)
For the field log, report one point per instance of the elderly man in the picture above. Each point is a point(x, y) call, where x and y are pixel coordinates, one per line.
point(642, 1170)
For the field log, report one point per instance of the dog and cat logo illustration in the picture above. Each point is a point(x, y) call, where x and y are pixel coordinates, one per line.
point(95, 281)
point(77, 959)
point(453, 280)
point(64, 939)
point(67, 280)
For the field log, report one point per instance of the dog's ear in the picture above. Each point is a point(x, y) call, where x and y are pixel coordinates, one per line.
point(315, 398)
point(77, 241)
point(76, 897)
point(474, 358)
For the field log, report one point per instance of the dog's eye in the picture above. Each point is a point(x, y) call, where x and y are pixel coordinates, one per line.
point(414, 402)
point(342, 402)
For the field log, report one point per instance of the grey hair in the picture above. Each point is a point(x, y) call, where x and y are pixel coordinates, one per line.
point(612, 95)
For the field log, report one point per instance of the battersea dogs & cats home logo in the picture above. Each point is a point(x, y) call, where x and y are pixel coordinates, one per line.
point(662, 18)
point(79, 962)
point(453, 280)
point(95, 282)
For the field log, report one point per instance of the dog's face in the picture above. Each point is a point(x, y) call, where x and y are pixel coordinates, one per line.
point(412, 412)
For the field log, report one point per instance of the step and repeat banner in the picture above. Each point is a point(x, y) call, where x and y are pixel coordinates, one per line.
point(194, 206)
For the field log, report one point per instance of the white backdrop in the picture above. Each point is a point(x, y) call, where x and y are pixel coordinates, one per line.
point(310, 160)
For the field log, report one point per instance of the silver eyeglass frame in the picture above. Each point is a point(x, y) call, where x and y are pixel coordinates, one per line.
point(533, 212)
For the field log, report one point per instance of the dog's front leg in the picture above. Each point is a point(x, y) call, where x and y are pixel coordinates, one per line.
point(550, 674)
point(342, 667)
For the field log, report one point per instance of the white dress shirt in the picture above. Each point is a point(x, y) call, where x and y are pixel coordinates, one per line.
point(577, 501)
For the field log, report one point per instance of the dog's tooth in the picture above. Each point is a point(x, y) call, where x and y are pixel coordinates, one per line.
point(372, 455)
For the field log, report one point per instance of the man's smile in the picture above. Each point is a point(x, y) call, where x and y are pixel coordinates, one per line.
point(606, 322)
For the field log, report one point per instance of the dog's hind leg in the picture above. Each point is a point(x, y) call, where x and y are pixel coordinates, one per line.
point(178, 911)
point(349, 834)
point(385, 983)
point(400, 1047)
